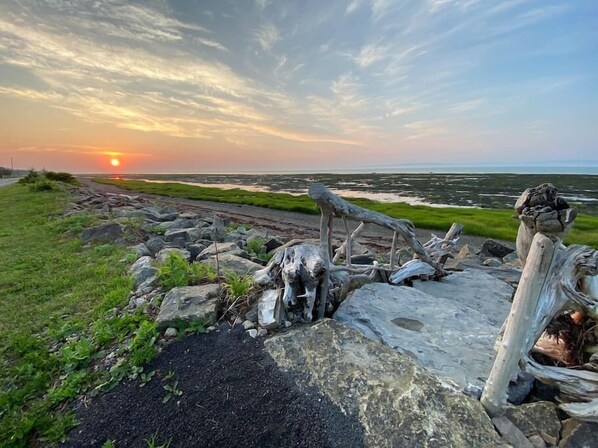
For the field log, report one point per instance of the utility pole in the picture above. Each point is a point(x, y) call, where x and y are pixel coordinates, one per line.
point(12, 167)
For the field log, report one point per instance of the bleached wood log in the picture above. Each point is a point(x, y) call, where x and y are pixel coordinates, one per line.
point(541, 209)
point(325, 245)
point(339, 252)
point(440, 248)
point(413, 268)
point(587, 410)
point(393, 250)
point(515, 341)
point(331, 203)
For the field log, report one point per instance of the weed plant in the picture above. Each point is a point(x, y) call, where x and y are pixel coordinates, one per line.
point(237, 286)
point(177, 271)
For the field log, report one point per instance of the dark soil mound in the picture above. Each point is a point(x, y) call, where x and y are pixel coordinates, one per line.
point(233, 395)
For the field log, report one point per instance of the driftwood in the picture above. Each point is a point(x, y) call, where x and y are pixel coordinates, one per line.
point(330, 206)
point(556, 281)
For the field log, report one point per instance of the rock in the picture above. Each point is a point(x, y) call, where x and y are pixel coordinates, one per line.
point(537, 441)
point(232, 263)
point(578, 434)
point(511, 433)
point(539, 418)
point(188, 234)
point(262, 333)
point(194, 249)
point(151, 212)
point(272, 243)
point(141, 250)
point(155, 244)
point(492, 262)
point(171, 333)
point(363, 259)
point(252, 333)
point(520, 387)
point(189, 304)
point(105, 233)
point(475, 289)
point(164, 253)
point(169, 216)
point(222, 248)
point(442, 335)
point(492, 248)
point(248, 325)
point(510, 258)
point(398, 403)
point(142, 270)
point(270, 309)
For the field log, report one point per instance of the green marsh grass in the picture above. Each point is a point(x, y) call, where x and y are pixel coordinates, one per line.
point(55, 316)
point(490, 223)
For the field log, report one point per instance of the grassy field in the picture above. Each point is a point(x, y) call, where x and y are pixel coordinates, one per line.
point(491, 223)
point(56, 316)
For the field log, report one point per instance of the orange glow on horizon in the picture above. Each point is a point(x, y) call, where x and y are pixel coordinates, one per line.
point(114, 162)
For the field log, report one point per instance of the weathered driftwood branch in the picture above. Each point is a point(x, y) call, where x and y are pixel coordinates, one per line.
point(541, 209)
point(514, 343)
point(342, 249)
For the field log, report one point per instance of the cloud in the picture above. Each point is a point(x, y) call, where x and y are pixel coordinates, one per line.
point(267, 36)
point(467, 106)
point(370, 54)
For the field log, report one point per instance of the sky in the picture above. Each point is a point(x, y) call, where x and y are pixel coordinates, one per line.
point(279, 85)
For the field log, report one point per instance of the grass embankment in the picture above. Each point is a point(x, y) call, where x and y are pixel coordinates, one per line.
point(56, 316)
point(491, 223)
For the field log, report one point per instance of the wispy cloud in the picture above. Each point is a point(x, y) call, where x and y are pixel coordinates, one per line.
point(267, 36)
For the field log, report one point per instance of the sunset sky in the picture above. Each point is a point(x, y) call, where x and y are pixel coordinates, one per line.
point(229, 86)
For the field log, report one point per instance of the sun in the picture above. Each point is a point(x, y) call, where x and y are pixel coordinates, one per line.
point(114, 162)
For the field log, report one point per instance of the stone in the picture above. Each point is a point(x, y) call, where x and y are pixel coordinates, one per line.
point(448, 338)
point(171, 333)
point(142, 270)
point(222, 248)
point(398, 403)
point(252, 333)
point(520, 387)
point(262, 333)
point(229, 262)
point(155, 244)
point(492, 262)
point(141, 250)
point(510, 257)
point(538, 418)
point(168, 216)
point(189, 304)
point(164, 253)
point(492, 248)
point(537, 441)
point(511, 433)
point(272, 243)
point(194, 249)
point(151, 212)
point(188, 234)
point(578, 434)
point(270, 312)
point(475, 289)
point(105, 233)
point(248, 325)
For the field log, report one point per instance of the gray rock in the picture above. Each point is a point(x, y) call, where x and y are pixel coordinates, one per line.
point(171, 333)
point(194, 249)
point(510, 258)
point(141, 250)
point(248, 325)
point(520, 387)
point(511, 433)
point(475, 289)
point(189, 304)
point(442, 335)
point(262, 333)
point(537, 441)
point(142, 270)
point(221, 248)
point(155, 244)
point(151, 212)
point(164, 253)
point(187, 234)
point(578, 434)
point(169, 216)
point(252, 332)
point(105, 233)
point(270, 309)
point(492, 262)
point(398, 403)
point(539, 418)
point(492, 248)
point(232, 263)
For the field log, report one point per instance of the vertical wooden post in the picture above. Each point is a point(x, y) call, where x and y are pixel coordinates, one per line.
point(518, 328)
point(393, 250)
point(349, 243)
point(325, 241)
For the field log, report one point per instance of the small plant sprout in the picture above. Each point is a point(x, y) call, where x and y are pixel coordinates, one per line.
point(237, 286)
point(152, 442)
point(172, 390)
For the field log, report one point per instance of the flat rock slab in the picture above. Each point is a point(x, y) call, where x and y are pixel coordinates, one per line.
point(232, 263)
point(476, 289)
point(398, 403)
point(189, 304)
point(221, 248)
point(450, 339)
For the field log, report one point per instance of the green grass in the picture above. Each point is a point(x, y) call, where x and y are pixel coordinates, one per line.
point(491, 223)
point(177, 271)
point(56, 316)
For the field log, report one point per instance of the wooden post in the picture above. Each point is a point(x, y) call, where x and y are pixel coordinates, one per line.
point(518, 327)
point(393, 251)
point(325, 240)
point(349, 242)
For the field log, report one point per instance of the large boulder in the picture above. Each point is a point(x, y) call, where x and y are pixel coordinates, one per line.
point(398, 403)
point(492, 248)
point(476, 289)
point(142, 270)
point(448, 338)
point(164, 253)
point(186, 235)
point(222, 248)
point(229, 262)
point(189, 304)
point(105, 233)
